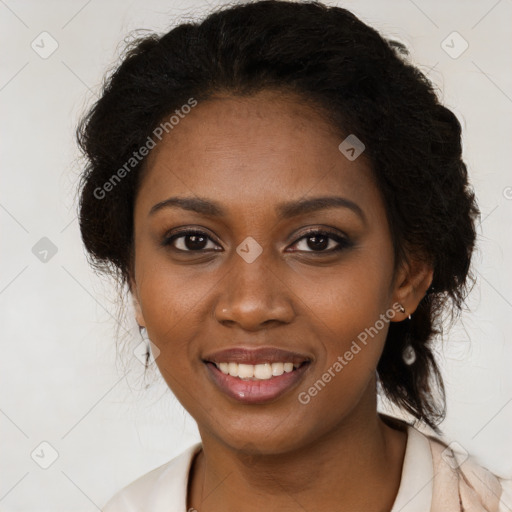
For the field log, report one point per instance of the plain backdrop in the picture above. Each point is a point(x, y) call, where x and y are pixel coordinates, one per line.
point(61, 381)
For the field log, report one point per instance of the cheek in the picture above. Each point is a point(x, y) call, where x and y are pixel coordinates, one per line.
point(351, 296)
point(350, 312)
point(352, 342)
point(168, 293)
point(173, 306)
point(352, 338)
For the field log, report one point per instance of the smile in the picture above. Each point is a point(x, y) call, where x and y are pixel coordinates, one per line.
point(263, 371)
point(256, 375)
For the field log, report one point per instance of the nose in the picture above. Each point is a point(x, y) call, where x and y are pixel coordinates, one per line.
point(253, 296)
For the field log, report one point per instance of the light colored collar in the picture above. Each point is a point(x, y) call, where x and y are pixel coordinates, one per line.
point(414, 493)
point(171, 495)
point(164, 489)
point(416, 484)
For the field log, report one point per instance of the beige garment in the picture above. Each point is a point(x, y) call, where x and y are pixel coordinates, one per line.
point(434, 479)
point(463, 485)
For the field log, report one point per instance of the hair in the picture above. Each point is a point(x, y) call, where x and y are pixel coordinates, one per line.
point(364, 85)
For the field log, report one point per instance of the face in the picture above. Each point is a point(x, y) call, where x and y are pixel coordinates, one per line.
point(265, 271)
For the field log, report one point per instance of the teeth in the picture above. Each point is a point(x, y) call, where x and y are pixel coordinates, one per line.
point(277, 369)
point(263, 371)
point(233, 369)
point(245, 371)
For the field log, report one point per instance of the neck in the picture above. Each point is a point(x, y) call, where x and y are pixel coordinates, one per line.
point(333, 473)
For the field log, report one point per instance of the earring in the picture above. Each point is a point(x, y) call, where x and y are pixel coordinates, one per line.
point(402, 309)
point(408, 354)
point(145, 338)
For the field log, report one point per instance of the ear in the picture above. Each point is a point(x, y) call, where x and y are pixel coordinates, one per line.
point(411, 284)
point(139, 317)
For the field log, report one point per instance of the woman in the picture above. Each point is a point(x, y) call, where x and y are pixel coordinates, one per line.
point(285, 199)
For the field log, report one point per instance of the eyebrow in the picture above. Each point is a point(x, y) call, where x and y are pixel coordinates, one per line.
point(284, 210)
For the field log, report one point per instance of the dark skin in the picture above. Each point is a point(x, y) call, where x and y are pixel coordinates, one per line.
point(249, 155)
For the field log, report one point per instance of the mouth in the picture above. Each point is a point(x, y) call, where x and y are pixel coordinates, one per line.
point(256, 376)
point(264, 371)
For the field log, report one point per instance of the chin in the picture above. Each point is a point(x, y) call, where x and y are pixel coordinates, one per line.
point(254, 437)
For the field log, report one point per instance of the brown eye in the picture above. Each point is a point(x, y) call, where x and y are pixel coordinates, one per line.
point(323, 242)
point(188, 241)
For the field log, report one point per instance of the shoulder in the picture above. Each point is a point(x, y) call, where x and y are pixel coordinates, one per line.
point(461, 483)
point(161, 489)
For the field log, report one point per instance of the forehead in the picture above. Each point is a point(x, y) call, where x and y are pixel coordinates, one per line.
point(251, 151)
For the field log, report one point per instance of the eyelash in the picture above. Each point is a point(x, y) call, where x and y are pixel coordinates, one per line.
point(343, 242)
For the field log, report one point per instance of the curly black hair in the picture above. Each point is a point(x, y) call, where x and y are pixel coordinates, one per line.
point(363, 84)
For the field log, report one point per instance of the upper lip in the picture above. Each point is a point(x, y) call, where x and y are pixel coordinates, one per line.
point(256, 356)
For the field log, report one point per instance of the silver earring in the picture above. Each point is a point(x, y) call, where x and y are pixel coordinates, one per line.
point(409, 354)
point(402, 309)
point(145, 338)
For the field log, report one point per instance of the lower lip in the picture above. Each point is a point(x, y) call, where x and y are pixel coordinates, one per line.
point(256, 391)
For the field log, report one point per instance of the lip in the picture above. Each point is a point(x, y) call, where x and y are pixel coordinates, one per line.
point(256, 391)
point(256, 356)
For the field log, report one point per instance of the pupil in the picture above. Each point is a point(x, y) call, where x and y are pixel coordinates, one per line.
point(197, 242)
point(318, 245)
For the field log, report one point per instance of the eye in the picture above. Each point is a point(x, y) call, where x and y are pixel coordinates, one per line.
point(189, 241)
point(320, 240)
